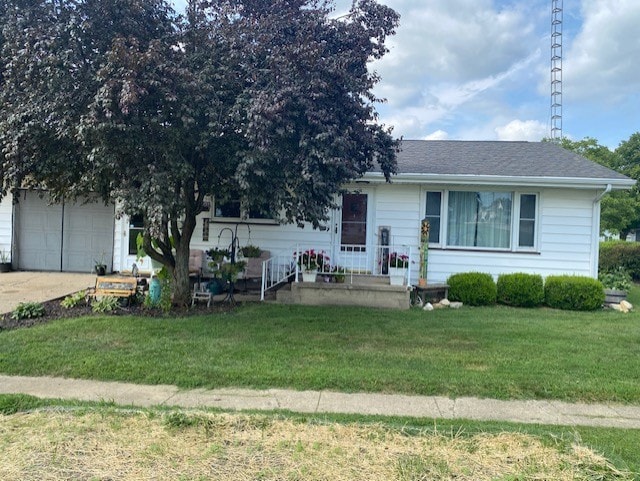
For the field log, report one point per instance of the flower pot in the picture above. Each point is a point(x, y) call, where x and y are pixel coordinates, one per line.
point(215, 286)
point(5, 266)
point(614, 296)
point(101, 269)
point(397, 276)
point(309, 276)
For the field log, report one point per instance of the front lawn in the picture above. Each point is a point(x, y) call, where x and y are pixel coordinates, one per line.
point(495, 352)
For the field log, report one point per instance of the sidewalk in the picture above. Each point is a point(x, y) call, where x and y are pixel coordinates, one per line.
point(537, 412)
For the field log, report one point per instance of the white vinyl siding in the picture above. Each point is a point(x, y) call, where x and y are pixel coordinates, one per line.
point(564, 229)
point(6, 228)
point(564, 236)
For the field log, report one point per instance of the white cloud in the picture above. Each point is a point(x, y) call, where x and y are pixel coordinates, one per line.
point(530, 130)
point(603, 58)
point(437, 135)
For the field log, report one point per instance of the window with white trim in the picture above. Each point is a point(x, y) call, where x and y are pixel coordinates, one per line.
point(527, 221)
point(232, 209)
point(433, 213)
point(499, 220)
point(479, 219)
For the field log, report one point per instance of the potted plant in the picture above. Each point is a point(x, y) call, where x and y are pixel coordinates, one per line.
point(310, 262)
point(251, 251)
point(99, 265)
point(5, 263)
point(339, 274)
point(398, 265)
point(616, 283)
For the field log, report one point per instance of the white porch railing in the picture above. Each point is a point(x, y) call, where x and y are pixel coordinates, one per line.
point(343, 259)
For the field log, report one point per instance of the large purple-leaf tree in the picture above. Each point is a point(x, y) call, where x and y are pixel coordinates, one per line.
point(271, 100)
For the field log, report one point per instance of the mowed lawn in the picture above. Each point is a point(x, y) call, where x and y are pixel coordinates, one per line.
point(496, 352)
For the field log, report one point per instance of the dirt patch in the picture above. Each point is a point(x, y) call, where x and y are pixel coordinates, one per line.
point(132, 446)
point(53, 311)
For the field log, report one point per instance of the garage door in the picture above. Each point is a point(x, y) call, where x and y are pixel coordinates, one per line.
point(67, 237)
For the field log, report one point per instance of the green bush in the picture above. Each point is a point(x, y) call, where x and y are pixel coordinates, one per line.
point(618, 279)
point(520, 290)
point(73, 300)
point(616, 254)
point(574, 293)
point(105, 304)
point(472, 288)
point(28, 310)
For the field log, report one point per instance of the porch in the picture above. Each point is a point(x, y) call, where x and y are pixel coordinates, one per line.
point(344, 274)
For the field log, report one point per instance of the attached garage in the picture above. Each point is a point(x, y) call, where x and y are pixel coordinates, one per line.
point(66, 237)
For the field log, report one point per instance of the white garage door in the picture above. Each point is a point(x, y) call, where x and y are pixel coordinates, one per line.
point(67, 237)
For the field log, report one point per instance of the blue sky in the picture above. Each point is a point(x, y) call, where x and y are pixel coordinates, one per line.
point(480, 69)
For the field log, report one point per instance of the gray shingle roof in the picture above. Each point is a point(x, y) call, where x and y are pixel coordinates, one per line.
point(488, 158)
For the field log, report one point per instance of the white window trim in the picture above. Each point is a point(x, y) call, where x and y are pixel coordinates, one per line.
point(515, 220)
point(243, 219)
point(443, 212)
point(516, 223)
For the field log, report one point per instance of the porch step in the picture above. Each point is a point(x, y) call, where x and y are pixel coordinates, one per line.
point(368, 279)
point(326, 294)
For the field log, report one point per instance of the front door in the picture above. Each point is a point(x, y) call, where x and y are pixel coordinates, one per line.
point(353, 233)
point(133, 227)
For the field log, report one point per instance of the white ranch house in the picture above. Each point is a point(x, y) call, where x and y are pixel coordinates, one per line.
point(494, 207)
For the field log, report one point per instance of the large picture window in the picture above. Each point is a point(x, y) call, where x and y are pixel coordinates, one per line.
point(479, 219)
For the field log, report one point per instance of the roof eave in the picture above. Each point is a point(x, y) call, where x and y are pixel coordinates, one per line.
point(499, 180)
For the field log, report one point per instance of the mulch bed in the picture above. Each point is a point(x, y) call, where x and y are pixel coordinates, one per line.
point(53, 311)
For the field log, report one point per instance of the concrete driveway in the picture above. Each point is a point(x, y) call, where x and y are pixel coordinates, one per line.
point(17, 287)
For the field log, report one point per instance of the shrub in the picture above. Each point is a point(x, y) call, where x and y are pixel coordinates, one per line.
point(574, 293)
point(28, 310)
point(618, 279)
point(616, 254)
point(73, 300)
point(472, 288)
point(520, 290)
point(105, 304)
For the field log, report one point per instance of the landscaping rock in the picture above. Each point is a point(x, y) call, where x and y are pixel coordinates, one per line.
point(616, 307)
point(445, 302)
point(455, 305)
point(428, 307)
point(439, 305)
point(626, 305)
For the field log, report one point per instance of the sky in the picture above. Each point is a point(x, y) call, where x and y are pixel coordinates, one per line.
point(481, 69)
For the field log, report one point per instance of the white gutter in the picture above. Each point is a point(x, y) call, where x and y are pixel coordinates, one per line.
point(466, 179)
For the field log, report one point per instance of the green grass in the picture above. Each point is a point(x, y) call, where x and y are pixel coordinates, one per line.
point(619, 446)
point(495, 352)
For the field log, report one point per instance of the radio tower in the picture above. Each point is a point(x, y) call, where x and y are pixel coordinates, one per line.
point(556, 70)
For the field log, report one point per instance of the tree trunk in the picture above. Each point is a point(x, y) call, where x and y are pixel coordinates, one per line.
point(182, 239)
point(181, 284)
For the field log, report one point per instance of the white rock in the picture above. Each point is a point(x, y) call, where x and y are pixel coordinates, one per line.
point(615, 307)
point(445, 302)
point(439, 305)
point(428, 307)
point(455, 305)
point(626, 305)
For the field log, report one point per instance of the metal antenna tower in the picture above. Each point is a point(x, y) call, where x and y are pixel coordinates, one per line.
point(556, 69)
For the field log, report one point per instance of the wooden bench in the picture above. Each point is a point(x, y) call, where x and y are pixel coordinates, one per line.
point(116, 286)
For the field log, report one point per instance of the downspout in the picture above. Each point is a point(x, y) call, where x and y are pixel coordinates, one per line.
point(595, 257)
point(602, 194)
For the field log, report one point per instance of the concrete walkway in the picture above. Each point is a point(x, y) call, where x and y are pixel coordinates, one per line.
point(23, 286)
point(537, 412)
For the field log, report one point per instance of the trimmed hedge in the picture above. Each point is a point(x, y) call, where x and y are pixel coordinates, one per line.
point(472, 288)
point(574, 293)
point(520, 290)
point(616, 254)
